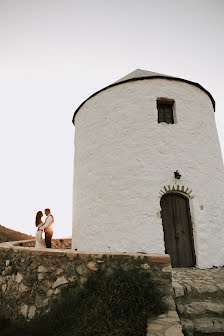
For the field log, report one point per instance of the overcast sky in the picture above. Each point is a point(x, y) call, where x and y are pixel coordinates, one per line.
point(55, 53)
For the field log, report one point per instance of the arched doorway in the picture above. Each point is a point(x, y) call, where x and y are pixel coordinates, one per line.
point(177, 229)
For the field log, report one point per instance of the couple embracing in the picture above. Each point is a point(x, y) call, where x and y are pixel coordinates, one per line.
point(46, 226)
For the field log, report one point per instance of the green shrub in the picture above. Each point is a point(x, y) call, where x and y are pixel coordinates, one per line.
point(116, 305)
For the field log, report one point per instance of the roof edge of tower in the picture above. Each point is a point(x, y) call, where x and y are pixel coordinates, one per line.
point(145, 78)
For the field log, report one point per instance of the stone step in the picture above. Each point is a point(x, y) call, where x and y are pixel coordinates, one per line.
point(198, 289)
point(167, 324)
point(196, 309)
point(203, 326)
point(199, 297)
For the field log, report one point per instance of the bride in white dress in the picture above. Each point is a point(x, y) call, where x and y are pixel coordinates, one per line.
point(39, 223)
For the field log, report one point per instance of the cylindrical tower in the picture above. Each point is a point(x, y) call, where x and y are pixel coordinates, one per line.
point(130, 139)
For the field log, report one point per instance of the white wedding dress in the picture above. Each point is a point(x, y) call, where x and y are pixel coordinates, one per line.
point(39, 237)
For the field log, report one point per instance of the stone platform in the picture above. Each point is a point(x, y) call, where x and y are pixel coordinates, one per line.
point(167, 324)
point(199, 296)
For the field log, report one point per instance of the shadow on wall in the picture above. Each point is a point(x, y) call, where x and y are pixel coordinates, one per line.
point(35, 280)
point(119, 303)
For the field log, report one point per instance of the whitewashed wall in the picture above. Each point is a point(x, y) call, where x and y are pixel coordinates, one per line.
point(123, 157)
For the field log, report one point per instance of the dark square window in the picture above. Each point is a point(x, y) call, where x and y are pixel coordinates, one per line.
point(165, 111)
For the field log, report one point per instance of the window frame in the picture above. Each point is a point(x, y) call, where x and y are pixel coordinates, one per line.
point(165, 108)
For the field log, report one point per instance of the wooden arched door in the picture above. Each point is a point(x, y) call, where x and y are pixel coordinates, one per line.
point(177, 229)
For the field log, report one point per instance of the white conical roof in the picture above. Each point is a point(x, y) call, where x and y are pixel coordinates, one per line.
point(144, 74)
point(138, 73)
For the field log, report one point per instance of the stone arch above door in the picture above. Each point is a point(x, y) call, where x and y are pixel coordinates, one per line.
point(176, 188)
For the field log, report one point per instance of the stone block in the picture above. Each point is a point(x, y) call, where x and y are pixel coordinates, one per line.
point(178, 289)
point(218, 325)
point(19, 277)
point(92, 266)
point(220, 286)
point(38, 301)
point(158, 258)
point(181, 308)
point(72, 278)
point(57, 291)
point(50, 292)
point(32, 311)
point(202, 288)
point(8, 270)
point(23, 288)
point(83, 255)
point(40, 276)
point(59, 271)
point(145, 266)
point(24, 310)
point(167, 269)
point(174, 331)
point(173, 313)
point(154, 326)
point(162, 316)
point(171, 319)
point(196, 308)
point(4, 287)
point(45, 302)
point(47, 283)
point(60, 281)
point(170, 302)
point(188, 326)
point(188, 288)
point(42, 269)
point(203, 325)
point(81, 269)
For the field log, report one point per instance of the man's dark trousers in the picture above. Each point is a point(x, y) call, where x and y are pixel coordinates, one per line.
point(48, 236)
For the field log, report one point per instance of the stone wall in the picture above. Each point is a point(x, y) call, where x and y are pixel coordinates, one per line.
point(30, 279)
point(60, 243)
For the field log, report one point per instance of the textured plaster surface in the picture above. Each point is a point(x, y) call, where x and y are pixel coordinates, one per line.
point(123, 158)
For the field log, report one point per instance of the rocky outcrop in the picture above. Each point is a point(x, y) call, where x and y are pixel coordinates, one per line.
point(199, 296)
point(11, 235)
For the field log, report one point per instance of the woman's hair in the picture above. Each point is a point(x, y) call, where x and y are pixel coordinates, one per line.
point(38, 217)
